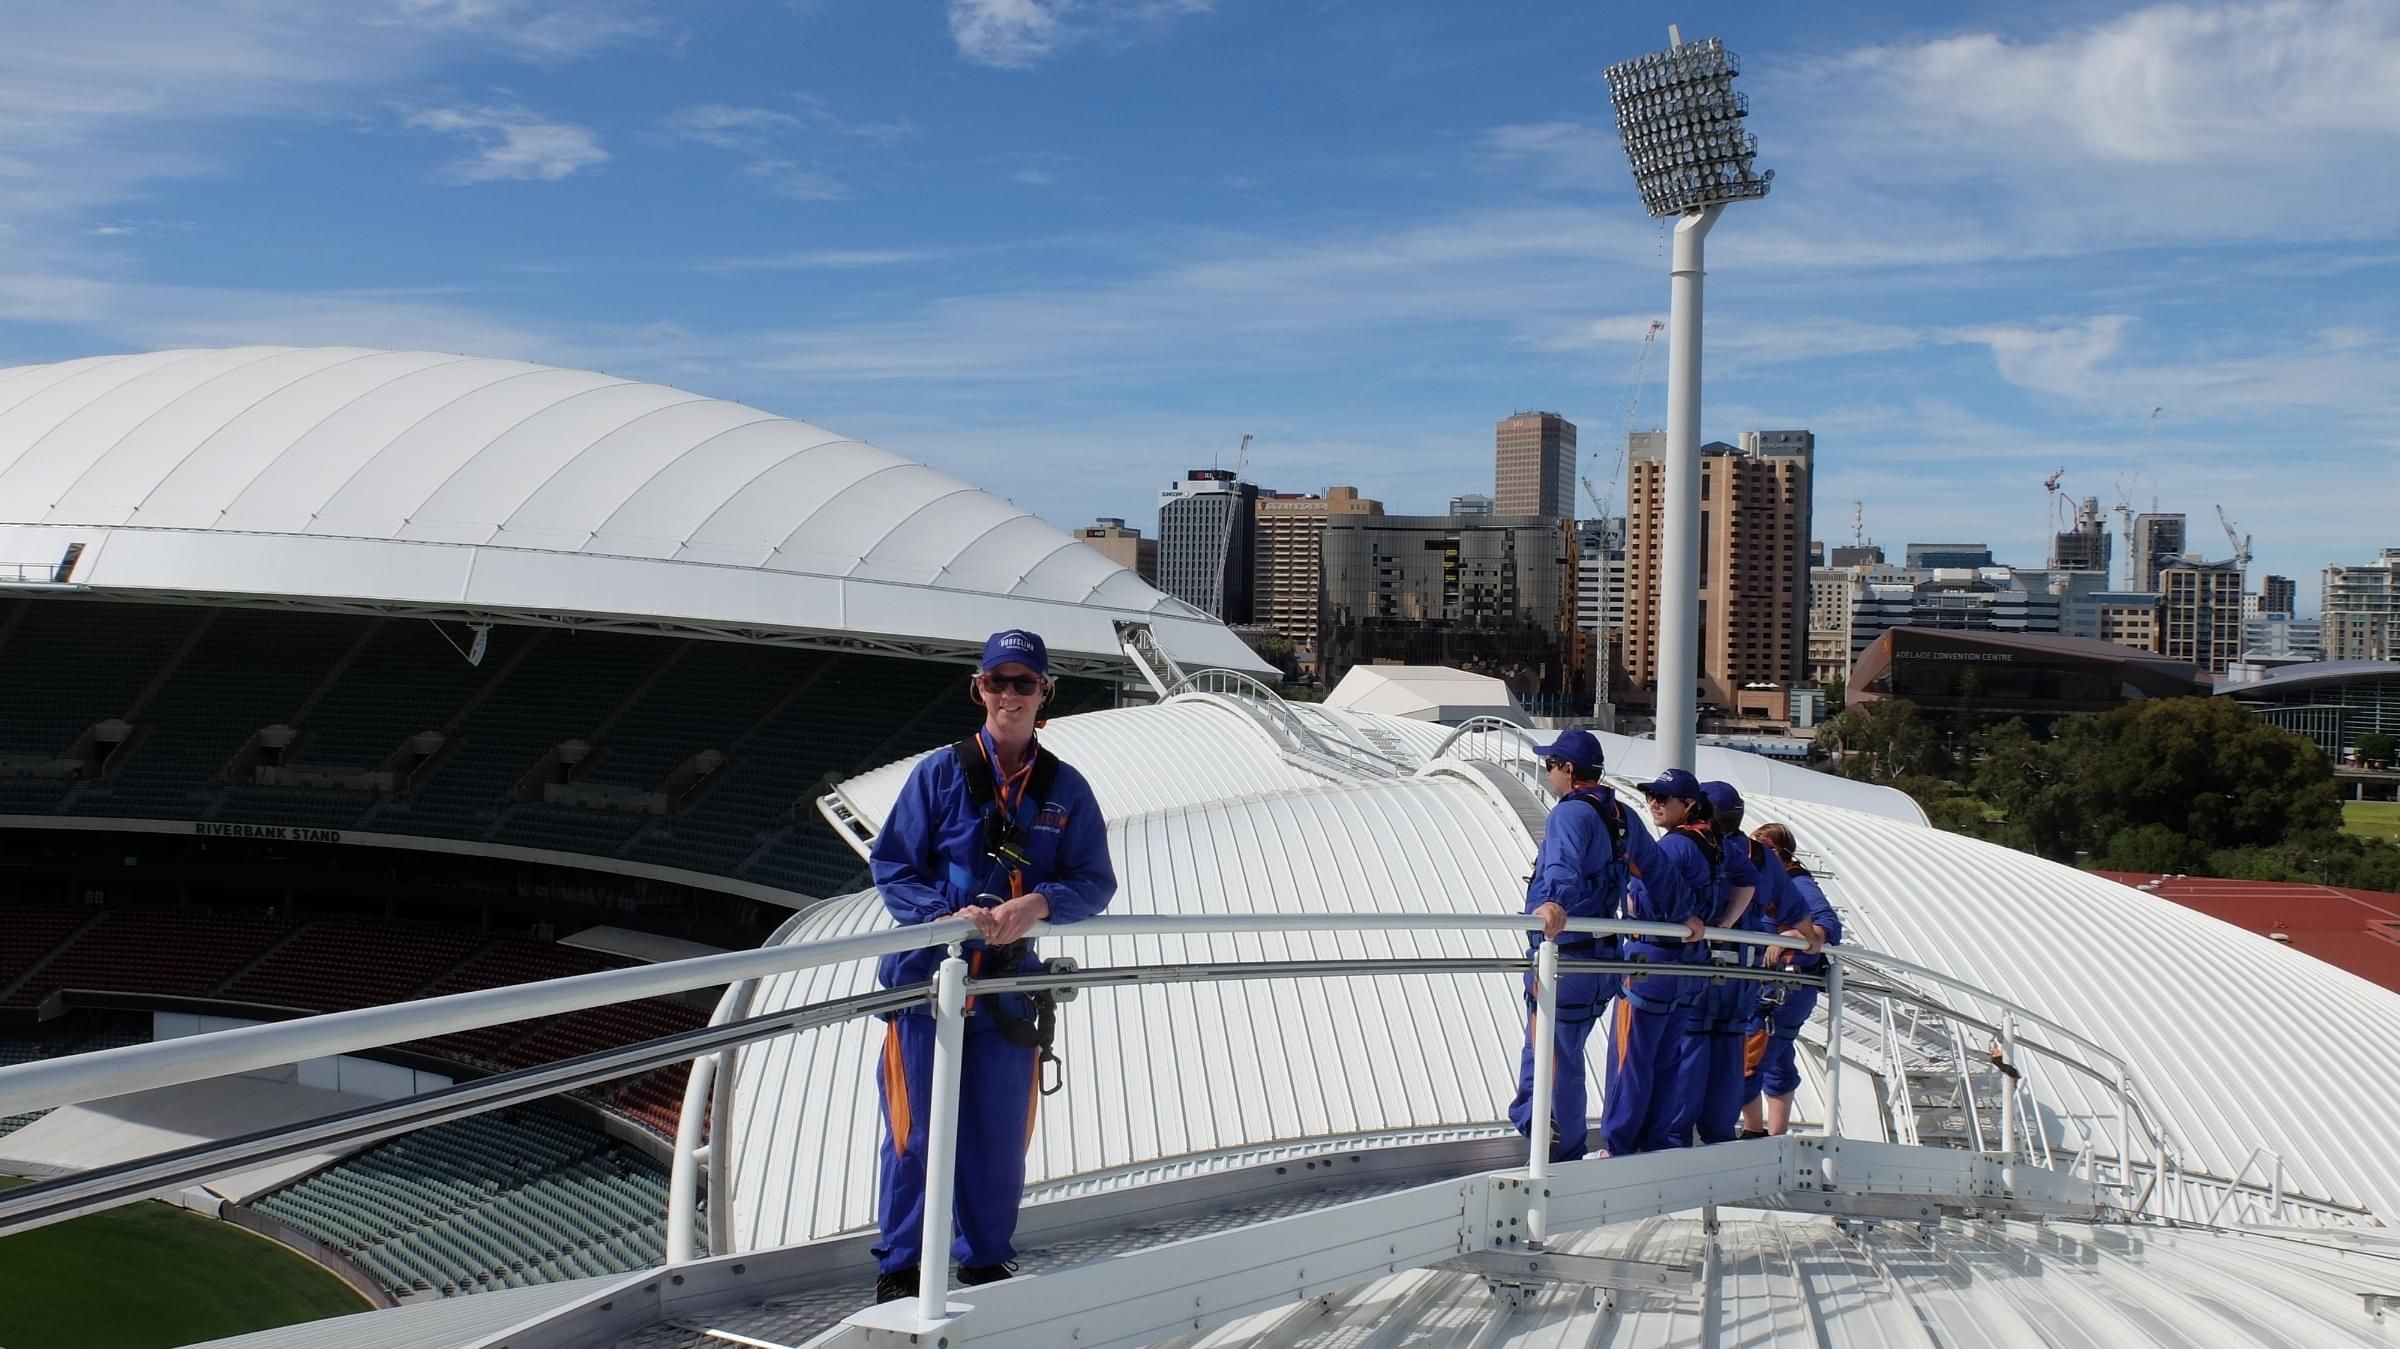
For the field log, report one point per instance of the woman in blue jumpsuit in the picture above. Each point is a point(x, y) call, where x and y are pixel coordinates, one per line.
point(1807, 914)
point(997, 831)
point(1646, 1028)
point(1580, 873)
point(1709, 1079)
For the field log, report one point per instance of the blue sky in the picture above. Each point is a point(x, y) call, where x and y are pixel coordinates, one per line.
point(1065, 248)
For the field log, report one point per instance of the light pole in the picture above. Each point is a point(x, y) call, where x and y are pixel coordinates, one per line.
point(1681, 123)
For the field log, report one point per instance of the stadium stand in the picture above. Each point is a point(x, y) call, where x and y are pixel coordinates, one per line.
point(199, 685)
point(492, 1201)
point(334, 964)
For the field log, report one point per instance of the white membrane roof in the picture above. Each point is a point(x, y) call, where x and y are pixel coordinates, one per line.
point(428, 480)
point(2236, 1043)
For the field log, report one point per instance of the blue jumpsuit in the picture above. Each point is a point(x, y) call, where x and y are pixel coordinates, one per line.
point(1646, 1027)
point(930, 861)
point(1708, 1079)
point(1778, 1072)
point(1579, 870)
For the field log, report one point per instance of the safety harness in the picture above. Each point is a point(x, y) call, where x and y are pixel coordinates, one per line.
point(1005, 838)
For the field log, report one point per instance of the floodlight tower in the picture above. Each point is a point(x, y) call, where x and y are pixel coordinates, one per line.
point(1681, 123)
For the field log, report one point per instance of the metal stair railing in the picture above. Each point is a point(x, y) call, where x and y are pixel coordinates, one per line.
point(1336, 758)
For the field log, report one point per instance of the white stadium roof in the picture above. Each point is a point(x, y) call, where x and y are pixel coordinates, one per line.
point(2238, 1043)
point(463, 486)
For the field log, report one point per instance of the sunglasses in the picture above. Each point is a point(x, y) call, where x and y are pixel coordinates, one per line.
point(1555, 762)
point(994, 683)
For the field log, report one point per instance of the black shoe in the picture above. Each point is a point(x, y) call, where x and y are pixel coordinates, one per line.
point(896, 1285)
point(1748, 1134)
point(971, 1275)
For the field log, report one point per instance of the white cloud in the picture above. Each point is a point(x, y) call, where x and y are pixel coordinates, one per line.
point(538, 30)
point(832, 259)
point(1017, 34)
point(512, 143)
point(728, 127)
point(2174, 123)
point(767, 138)
point(787, 178)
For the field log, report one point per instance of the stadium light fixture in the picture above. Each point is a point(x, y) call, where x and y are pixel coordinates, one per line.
point(1682, 125)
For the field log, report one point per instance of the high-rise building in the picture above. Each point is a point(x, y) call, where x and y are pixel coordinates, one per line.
point(2278, 594)
point(1600, 575)
point(1473, 503)
point(1833, 595)
point(1857, 555)
point(2200, 613)
point(1206, 542)
point(1983, 600)
point(1754, 574)
point(2361, 609)
point(1494, 594)
point(2272, 637)
point(1534, 455)
point(1289, 585)
point(1109, 537)
point(2158, 543)
point(2078, 593)
point(2127, 617)
point(2085, 547)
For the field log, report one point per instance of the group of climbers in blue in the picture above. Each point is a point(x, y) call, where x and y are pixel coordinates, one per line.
point(1688, 1056)
point(997, 831)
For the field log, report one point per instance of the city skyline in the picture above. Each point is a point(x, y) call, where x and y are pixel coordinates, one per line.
point(2056, 235)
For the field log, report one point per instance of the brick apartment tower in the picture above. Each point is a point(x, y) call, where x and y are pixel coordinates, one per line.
point(1290, 549)
point(1754, 526)
point(1534, 469)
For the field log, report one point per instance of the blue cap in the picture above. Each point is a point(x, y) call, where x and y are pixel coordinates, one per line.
point(1580, 748)
point(1722, 798)
point(1676, 783)
point(1016, 644)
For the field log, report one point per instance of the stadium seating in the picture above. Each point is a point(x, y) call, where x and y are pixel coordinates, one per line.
point(323, 967)
point(197, 683)
point(153, 951)
point(493, 1201)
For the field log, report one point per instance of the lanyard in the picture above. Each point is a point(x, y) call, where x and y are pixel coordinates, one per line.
point(1008, 794)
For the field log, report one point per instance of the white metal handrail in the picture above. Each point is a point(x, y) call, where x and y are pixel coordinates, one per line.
point(48, 1083)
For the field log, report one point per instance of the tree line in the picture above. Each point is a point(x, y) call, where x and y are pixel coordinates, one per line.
point(2191, 785)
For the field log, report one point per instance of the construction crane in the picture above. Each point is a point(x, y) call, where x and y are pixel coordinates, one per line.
point(1633, 406)
point(2240, 541)
point(2058, 507)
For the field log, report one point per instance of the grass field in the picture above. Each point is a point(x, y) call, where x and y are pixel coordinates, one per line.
point(147, 1276)
point(2372, 819)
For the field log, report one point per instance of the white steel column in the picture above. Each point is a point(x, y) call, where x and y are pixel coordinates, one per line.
point(683, 1180)
point(1679, 523)
point(941, 1136)
point(1545, 1080)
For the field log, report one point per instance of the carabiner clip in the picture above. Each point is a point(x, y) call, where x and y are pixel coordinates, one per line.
point(1053, 1071)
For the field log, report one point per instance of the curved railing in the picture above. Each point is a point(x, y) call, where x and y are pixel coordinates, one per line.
point(1854, 973)
point(2023, 1036)
point(1296, 738)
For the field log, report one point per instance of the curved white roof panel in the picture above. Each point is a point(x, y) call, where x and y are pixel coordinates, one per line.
point(460, 483)
point(2236, 1043)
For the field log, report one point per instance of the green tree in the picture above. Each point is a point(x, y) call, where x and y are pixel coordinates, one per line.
point(2203, 767)
point(2374, 747)
point(2153, 848)
point(1884, 741)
